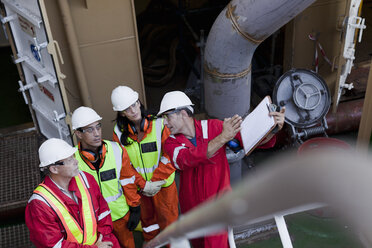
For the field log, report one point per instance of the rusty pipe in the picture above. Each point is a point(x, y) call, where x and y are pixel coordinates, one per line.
point(347, 117)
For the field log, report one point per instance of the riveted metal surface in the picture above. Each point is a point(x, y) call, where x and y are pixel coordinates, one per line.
point(19, 169)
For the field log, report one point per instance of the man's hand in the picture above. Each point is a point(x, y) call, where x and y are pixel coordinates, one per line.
point(102, 244)
point(279, 117)
point(152, 188)
point(231, 126)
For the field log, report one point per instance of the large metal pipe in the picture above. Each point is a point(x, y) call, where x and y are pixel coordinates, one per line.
point(234, 36)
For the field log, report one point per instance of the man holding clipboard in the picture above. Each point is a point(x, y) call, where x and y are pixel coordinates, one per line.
point(197, 150)
point(260, 126)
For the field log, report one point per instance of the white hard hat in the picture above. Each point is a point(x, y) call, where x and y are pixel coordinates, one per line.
point(173, 100)
point(122, 97)
point(54, 150)
point(83, 116)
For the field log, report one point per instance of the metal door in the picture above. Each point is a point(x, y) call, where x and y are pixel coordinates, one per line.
point(352, 23)
point(36, 54)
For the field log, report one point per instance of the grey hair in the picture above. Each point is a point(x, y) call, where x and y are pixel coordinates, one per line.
point(189, 110)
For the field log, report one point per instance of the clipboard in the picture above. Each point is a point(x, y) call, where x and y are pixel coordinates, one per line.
point(257, 125)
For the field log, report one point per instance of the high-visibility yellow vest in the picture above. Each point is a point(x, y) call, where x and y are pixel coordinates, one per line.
point(108, 178)
point(86, 234)
point(145, 155)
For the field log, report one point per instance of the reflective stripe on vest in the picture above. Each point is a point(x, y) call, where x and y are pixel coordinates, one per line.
point(145, 162)
point(117, 131)
point(111, 189)
point(75, 233)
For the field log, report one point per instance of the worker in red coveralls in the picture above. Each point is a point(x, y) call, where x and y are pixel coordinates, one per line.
point(67, 209)
point(197, 150)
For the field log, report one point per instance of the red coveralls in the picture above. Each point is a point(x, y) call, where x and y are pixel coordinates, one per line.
point(161, 209)
point(202, 178)
point(45, 227)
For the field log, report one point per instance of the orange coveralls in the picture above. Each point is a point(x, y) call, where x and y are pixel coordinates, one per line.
point(161, 209)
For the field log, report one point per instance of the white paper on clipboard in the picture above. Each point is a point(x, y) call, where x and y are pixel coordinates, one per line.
point(257, 125)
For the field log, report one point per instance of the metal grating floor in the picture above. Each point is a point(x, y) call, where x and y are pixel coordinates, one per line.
point(19, 169)
point(19, 176)
point(16, 236)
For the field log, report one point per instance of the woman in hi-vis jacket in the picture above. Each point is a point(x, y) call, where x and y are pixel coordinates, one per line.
point(143, 137)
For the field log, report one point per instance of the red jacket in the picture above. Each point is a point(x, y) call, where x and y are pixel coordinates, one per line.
point(45, 227)
point(200, 178)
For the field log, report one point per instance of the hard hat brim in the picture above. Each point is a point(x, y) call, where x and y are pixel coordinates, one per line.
point(163, 111)
point(64, 156)
point(130, 102)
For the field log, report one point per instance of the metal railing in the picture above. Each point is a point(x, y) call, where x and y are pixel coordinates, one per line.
point(283, 186)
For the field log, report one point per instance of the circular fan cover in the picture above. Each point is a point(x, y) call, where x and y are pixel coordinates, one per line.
point(305, 96)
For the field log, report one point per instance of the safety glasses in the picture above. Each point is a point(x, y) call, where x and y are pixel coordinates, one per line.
point(129, 108)
point(91, 129)
point(67, 161)
point(166, 116)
